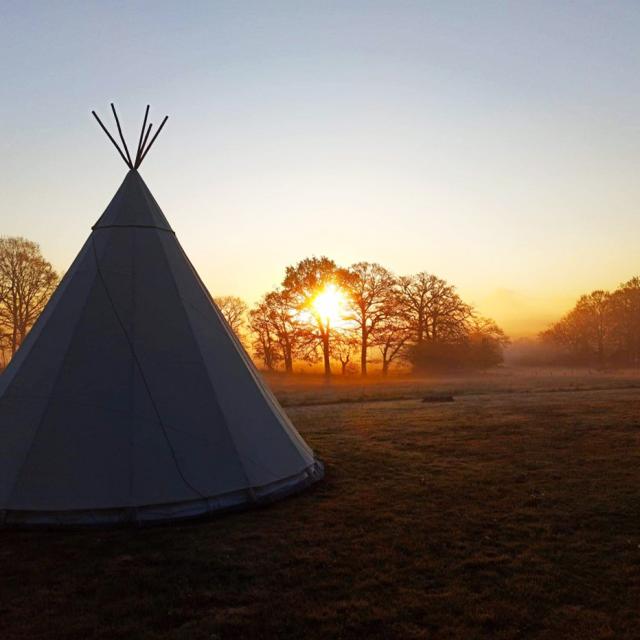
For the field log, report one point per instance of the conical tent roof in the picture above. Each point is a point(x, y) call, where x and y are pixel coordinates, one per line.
point(131, 399)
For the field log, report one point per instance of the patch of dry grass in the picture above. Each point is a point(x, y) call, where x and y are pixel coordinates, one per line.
point(506, 515)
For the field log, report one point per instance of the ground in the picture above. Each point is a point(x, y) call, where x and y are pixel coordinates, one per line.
point(513, 512)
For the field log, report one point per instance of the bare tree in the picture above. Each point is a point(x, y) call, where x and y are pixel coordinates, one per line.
point(264, 340)
point(234, 310)
point(345, 344)
point(625, 307)
point(369, 287)
point(279, 335)
point(586, 330)
point(393, 333)
point(434, 311)
point(286, 326)
point(27, 281)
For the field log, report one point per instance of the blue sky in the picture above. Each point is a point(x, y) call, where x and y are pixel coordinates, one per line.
point(494, 144)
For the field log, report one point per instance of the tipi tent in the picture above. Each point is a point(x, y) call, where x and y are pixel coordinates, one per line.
point(131, 400)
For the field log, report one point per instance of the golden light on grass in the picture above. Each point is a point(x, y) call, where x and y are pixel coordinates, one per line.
point(330, 304)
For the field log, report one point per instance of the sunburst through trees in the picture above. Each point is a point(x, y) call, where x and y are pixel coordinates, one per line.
point(323, 313)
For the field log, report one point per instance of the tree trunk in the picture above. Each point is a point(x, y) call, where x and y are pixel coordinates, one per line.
point(420, 327)
point(22, 335)
point(363, 352)
point(385, 367)
point(326, 352)
point(288, 359)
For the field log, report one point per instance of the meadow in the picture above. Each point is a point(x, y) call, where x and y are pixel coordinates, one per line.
point(512, 512)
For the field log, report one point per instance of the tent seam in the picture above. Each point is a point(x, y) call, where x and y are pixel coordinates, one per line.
point(204, 366)
point(146, 384)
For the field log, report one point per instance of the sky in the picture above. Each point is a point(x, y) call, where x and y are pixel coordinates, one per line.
point(495, 144)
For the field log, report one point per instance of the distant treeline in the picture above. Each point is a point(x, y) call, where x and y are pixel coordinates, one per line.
point(418, 320)
point(603, 329)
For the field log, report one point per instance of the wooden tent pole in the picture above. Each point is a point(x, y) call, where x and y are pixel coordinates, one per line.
point(124, 144)
point(144, 142)
point(153, 140)
point(115, 144)
point(144, 126)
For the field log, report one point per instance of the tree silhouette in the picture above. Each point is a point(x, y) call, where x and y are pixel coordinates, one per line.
point(265, 343)
point(625, 308)
point(369, 287)
point(586, 331)
point(602, 329)
point(280, 334)
point(234, 310)
point(344, 345)
point(27, 281)
point(286, 326)
point(433, 309)
point(392, 336)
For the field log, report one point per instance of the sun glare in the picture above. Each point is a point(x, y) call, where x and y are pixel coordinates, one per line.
point(330, 304)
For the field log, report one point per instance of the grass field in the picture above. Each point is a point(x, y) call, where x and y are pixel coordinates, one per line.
point(513, 512)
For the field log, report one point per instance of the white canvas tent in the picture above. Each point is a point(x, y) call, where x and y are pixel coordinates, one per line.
point(131, 400)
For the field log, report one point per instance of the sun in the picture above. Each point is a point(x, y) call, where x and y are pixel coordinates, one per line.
point(329, 304)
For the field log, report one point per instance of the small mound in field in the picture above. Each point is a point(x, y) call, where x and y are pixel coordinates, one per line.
point(438, 398)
